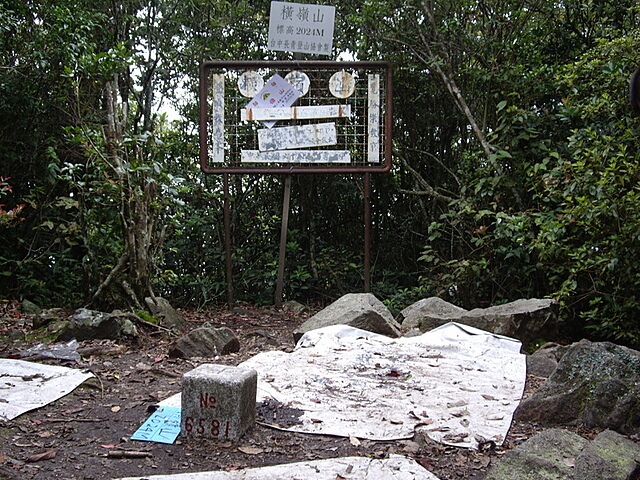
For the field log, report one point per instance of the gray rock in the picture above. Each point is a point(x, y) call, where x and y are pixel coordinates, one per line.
point(168, 316)
point(294, 307)
point(610, 456)
point(560, 454)
point(205, 342)
point(359, 310)
point(526, 320)
point(429, 313)
point(550, 454)
point(89, 324)
point(45, 317)
point(30, 307)
point(543, 362)
point(594, 384)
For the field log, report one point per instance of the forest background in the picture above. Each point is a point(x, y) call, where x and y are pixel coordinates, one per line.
point(515, 173)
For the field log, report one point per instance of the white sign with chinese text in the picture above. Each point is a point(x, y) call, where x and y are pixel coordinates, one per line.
point(297, 136)
point(300, 27)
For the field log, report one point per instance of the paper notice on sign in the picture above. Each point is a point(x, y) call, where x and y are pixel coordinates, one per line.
point(277, 92)
point(296, 156)
point(297, 136)
point(296, 113)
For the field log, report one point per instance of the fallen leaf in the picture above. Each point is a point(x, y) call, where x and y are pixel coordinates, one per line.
point(48, 455)
point(72, 410)
point(116, 409)
point(251, 450)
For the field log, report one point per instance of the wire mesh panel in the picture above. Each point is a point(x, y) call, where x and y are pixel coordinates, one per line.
point(299, 116)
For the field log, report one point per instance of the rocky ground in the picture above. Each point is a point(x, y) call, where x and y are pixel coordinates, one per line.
point(85, 435)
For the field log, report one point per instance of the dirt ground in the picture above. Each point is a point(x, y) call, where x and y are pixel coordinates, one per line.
point(85, 435)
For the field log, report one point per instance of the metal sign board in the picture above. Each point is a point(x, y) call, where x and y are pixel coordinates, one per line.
point(303, 117)
point(300, 27)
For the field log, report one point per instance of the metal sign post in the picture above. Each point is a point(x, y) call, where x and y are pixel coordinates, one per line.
point(288, 117)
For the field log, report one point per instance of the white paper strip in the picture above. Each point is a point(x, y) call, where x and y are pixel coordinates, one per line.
point(295, 113)
point(373, 119)
point(296, 156)
point(395, 467)
point(297, 136)
point(217, 124)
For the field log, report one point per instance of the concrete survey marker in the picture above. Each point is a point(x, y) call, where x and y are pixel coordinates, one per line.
point(218, 401)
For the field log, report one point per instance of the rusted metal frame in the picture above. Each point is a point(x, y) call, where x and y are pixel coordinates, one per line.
point(301, 64)
point(292, 169)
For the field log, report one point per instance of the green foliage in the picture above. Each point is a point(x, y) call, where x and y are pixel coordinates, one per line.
point(146, 316)
point(515, 170)
point(590, 240)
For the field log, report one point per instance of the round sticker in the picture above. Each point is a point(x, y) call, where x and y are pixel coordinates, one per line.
point(250, 83)
point(298, 80)
point(342, 84)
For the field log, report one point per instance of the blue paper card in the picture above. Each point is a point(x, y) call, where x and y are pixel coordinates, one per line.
point(163, 426)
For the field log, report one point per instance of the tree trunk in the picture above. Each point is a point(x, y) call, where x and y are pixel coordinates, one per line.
point(138, 192)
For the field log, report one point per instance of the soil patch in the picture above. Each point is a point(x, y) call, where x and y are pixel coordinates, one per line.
point(85, 435)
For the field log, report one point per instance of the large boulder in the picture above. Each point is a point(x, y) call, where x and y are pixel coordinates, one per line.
point(549, 454)
point(527, 320)
point(562, 455)
point(595, 384)
point(359, 310)
point(167, 316)
point(429, 313)
point(88, 324)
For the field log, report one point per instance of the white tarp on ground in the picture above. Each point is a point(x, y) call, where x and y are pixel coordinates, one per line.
point(353, 468)
point(460, 384)
point(26, 386)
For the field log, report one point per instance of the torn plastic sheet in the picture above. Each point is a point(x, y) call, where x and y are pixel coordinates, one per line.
point(26, 386)
point(59, 351)
point(459, 384)
point(353, 468)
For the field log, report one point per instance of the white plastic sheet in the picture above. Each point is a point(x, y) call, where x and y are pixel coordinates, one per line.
point(460, 384)
point(353, 468)
point(26, 386)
